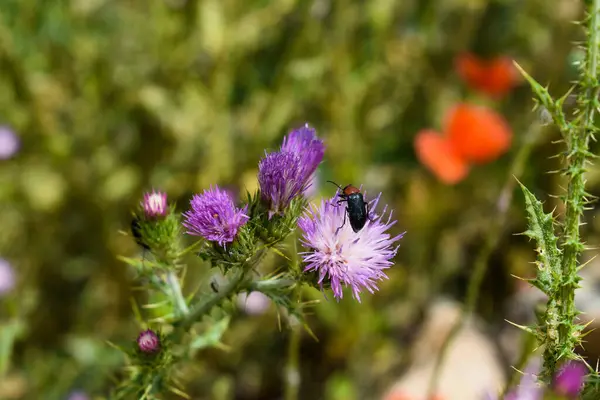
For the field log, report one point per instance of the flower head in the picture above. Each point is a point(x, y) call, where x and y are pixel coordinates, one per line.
point(9, 143)
point(155, 204)
point(214, 216)
point(305, 143)
point(569, 379)
point(7, 277)
point(288, 173)
point(281, 178)
point(344, 257)
point(148, 341)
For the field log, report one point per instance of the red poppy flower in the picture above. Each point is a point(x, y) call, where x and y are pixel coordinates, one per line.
point(477, 134)
point(436, 153)
point(495, 77)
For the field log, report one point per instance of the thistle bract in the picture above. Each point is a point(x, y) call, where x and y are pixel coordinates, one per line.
point(343, 257)
point(214, 216)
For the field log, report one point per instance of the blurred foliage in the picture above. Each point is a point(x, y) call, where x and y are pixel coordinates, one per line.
point(111, 98)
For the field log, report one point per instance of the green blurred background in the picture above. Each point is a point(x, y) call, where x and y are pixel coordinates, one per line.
point(112, 98)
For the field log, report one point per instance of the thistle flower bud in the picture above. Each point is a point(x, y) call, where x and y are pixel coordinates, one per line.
point(148, 341)
point(155, 204)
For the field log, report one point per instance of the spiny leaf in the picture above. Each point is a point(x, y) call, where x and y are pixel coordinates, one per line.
point(541, 228)
point(541, 92)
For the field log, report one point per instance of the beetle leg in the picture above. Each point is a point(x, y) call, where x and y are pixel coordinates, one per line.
point(340, 202)
point(343, 223)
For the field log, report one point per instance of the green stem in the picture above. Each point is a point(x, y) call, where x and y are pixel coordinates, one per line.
point(562, 303)
point(292, 369)
point(203, 307)
point(178, 299)
point(271, 284)
point(491, 240)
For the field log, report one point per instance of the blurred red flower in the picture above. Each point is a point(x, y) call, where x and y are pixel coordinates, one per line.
point(472, 135)
point(477, 134)
point(494, 77)
point(436, 153)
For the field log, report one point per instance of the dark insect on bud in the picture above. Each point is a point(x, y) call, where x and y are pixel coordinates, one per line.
point(214, 286)
point(136, 231)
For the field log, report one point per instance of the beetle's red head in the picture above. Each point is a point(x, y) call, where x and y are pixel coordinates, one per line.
point(349, 189)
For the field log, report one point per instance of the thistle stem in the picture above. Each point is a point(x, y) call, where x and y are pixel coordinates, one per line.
point(178, 299)
point(563, 305)
point(292, 371)
point(201, 308)
point(271, 284)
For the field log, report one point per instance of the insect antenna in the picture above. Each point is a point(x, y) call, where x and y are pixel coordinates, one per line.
point(341, 188)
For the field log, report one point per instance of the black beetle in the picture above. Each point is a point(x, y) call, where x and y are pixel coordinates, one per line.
point(356, 206)
point(136, 231)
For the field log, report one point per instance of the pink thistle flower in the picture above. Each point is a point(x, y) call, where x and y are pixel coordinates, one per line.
point(155, 204)
point(342, 256)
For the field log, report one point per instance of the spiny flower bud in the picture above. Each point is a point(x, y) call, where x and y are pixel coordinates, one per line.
point(155, 204)
point(148, 341)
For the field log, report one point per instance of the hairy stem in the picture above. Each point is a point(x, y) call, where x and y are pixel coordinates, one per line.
point(178, 299)
point(203, 307)
point(491, 240)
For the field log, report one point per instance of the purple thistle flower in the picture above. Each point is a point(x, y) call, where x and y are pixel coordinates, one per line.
point(305, 144)
point(155, 204)
point(214, 216)
point(7, 277)
point(9, 143)
point(148, 341)
point(281, 179)
point(570, 379)
point(344, 257)
point(288, 173)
